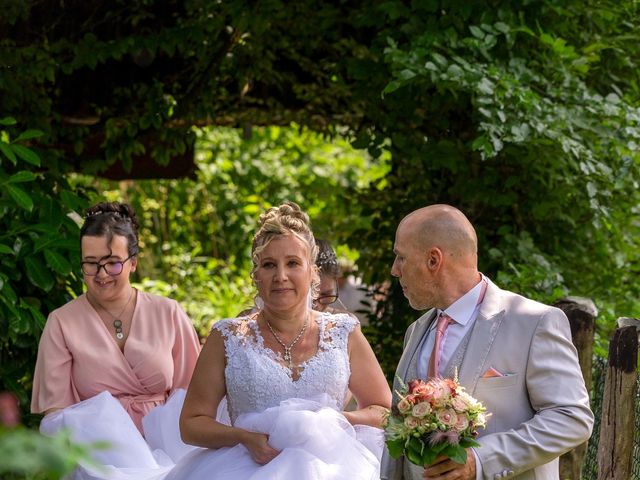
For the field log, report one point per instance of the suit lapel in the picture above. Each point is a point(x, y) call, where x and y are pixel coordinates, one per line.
point(485, 328)
point(411, 349)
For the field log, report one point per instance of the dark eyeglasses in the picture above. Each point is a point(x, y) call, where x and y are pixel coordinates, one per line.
point(112, 269)
point(328, 299)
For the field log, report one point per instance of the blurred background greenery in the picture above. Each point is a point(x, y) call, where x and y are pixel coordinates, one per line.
point(524, 114)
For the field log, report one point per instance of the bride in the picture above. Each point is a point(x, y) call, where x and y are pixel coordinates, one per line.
point(285, 371)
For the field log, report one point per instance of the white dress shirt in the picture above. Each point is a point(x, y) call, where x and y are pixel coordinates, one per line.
point(463, 312)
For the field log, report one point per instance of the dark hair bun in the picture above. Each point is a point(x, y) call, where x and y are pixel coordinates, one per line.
point(115, 209)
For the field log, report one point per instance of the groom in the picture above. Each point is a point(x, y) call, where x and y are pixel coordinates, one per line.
point(513, 354)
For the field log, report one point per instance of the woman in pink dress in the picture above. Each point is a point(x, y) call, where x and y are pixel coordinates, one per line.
point(114, 363)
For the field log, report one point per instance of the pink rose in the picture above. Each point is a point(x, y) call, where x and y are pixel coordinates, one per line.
point(448, 417)
point(468, 399)
point(413, 384)
point(462, 423)
point(421, 409)
point(424, 392)
point(411, 422)
point(459, 404)
point(404, 406)
point(441, 394)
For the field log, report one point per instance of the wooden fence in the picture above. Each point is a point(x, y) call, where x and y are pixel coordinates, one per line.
point(615, 435)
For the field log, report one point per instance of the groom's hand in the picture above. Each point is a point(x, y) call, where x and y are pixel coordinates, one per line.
point(445, 469)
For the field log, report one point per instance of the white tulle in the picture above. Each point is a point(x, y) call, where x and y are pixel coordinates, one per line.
point(315, 441)
point(301, 415)
point(128, 455)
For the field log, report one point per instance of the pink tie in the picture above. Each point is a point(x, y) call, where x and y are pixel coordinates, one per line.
point(443, 322)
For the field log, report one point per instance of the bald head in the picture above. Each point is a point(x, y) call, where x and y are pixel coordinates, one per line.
point(436, 256)
point(442, 226)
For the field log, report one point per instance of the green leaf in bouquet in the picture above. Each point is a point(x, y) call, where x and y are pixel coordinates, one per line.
point(414, 456)
point(414, 450)
point(395, 447)
point(428, 457)
point(456, 453)
point(467, 442)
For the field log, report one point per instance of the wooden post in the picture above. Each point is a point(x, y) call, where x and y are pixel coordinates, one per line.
point(615, 449)
point(581, 313)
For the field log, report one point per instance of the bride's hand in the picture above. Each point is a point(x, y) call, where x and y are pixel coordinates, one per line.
point(259, 448)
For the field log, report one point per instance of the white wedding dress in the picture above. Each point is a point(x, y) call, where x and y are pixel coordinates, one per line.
point(302, 416)
point(125, 454)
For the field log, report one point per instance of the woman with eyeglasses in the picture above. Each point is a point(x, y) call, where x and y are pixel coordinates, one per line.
point(109, 359)
point(328, 297)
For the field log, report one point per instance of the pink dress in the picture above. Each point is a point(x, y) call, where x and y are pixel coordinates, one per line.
point(81, 369)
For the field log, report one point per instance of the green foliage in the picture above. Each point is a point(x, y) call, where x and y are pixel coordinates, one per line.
point(526, 117)
point(26, 454)
point(523, 114)
point(38, 252)
point(196, 234)
point(206, 288)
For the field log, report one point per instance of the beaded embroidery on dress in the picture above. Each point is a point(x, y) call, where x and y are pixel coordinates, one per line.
point(302, 414)
point(254, 384)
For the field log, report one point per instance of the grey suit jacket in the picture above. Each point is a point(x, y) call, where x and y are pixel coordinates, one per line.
point(539, 408)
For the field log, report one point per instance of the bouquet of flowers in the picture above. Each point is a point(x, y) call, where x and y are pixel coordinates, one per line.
point(434, 418)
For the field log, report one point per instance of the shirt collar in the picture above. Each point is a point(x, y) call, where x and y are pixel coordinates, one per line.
point(462, 309)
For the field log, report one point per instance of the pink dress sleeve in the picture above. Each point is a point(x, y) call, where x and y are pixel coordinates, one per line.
point(52, 381)
point(186, 349)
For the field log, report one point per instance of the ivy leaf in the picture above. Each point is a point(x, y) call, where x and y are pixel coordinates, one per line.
point(38, 274)
point(22, 176)
point(20, 197)
point(28, 135)
point(5, 249)
point(8, 295)
point(26, 154)
point(476, 32)
point(8, 121)
point(19, 323)
point(6, 150)
point(392, 86)
point(57, 262)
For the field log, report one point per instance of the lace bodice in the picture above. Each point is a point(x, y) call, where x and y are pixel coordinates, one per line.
point(257, 378)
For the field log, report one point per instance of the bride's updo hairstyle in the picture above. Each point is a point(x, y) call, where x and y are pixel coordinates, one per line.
point(286, 219)
point(107, 219)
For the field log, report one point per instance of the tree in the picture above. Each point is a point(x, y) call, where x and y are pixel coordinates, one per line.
point(526, 117)
point(523, 114)
point(38, 254)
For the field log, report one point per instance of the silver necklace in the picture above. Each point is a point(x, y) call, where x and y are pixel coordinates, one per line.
point(117, 323)
point(287, 349)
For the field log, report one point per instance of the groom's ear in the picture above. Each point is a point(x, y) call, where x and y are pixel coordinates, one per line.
point(434, 258)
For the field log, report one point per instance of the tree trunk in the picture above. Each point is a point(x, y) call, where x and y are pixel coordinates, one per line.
point(615, 450)
point(581, 313)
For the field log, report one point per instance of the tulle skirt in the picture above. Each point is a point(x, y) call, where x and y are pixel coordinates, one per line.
point(315, 443)
point(125, 454)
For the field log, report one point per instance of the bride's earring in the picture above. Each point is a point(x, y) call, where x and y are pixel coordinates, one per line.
point(309, 299)
point(259, 303)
